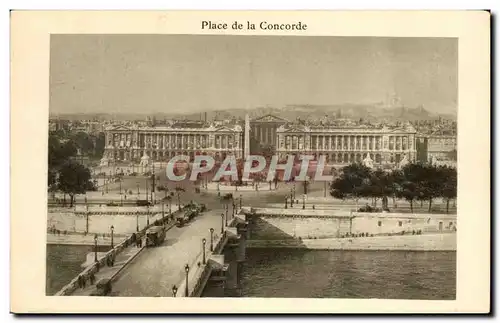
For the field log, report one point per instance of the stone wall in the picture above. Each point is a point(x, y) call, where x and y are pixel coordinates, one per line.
point(269, 227)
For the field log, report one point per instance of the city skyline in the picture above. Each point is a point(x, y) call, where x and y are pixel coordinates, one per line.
point(166, 73)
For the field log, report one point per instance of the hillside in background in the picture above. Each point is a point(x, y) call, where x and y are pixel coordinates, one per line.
point(289, 112)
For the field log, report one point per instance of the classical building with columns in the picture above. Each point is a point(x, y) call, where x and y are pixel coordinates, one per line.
point(164, 142)
point(345, 145)
point(263, 129)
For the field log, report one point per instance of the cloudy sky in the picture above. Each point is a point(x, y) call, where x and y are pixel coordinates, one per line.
point(160, 73)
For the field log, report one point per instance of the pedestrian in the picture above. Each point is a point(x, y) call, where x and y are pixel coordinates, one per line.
point(92, 279)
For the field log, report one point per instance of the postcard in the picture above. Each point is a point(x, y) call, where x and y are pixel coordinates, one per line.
point(250, 162)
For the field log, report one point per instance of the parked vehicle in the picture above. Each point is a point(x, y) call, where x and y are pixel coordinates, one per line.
point(155, 236)
point(143, 203)
point(103, 288)
point(111, 204)
point(181, 221)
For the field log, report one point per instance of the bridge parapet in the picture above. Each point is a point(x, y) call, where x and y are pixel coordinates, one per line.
point(70, 288)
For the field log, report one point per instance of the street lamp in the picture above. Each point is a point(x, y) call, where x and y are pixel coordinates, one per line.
point(241, 200)
point(112, 230)
point(204, 241)
point(211, 239)
point(174, 290)
point(147, 215)
point(303, 201)
point(286, 201)
point(95, 247)
point(137, 221)
point(227, 208)
point(186, 268)
point(222, 223)
point(291, 198)
point(138, 191)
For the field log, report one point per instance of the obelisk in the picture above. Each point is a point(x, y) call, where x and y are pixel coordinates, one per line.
point(246, 145)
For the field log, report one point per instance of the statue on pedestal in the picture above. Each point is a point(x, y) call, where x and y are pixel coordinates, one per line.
point(404, 161)
point(104, 161)
point(144, 160)
point(368, 162)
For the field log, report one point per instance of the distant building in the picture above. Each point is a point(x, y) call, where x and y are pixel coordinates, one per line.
point(162, 143)
point(443, 148)
point(345, 145)
point(263, 129)
point(440, 148)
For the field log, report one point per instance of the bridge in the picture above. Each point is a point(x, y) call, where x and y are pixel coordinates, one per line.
point(211, 249)
point(187, 259)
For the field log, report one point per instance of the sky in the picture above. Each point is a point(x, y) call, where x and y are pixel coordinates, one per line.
point(194, 73)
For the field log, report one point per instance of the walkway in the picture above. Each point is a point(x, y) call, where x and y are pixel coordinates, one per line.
point(110, 272)
point(156, 270)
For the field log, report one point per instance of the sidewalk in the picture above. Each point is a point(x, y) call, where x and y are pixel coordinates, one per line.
point(121, 260)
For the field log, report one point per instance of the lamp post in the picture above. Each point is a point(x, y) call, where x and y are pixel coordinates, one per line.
point(147, 215)
point(303, 201)
point(174, 290)
point(137, 221)
point(227, 208)
point(204, 241)
point(291, 198)
point(112, 231)
point(186, 268)
point(95, 247)
point(138, 191)
point(211, 239)
point(222, 223)
point(286, 201)
point(241, 200)
point(147, 183)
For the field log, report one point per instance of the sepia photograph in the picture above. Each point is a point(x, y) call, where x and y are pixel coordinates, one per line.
point(302, 166)
point(266, 166)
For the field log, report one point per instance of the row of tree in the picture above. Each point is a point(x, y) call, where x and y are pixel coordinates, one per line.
point(414, 182)
point(89, 145)
point(66, 174)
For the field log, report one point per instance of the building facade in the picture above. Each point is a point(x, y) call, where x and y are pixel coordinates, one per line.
point(162, 143)
point(348, 144)
point(441, 148)
point(263, 129)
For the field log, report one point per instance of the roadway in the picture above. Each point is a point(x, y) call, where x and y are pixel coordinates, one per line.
point(156, 269)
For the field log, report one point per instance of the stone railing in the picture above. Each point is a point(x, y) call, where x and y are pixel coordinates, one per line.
point(92, 269)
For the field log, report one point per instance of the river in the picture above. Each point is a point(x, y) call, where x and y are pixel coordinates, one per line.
point(64, 263)
point(348, 274)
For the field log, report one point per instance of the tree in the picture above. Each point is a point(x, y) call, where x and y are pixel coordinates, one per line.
point(84, 142)
point(354, 182)
point(449, 184)
point(100, 142)
point(60, 151)
point(74, 178)
point(431, 183)
point(380, 185)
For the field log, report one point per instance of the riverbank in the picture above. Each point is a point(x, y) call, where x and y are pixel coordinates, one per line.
point(424, 242)
point(82, 240)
